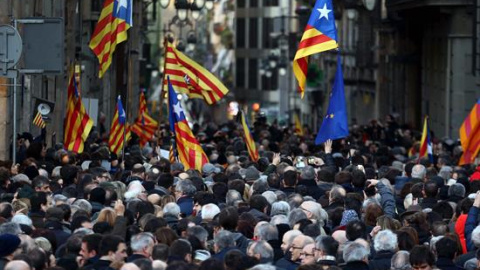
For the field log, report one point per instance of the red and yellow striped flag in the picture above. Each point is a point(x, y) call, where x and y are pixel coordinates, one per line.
point(38, 120)
point(251, 147)
point(77, 122)
point(111, 29)
point(298, 125)
point(119, 131)
point(145, 126)
point(171, 155)
point(425, 143)
point(470, 135)
point(190, 78)
point(320, 35)
point(189, 151)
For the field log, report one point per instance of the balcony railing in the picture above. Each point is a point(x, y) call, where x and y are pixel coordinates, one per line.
point(410, 4)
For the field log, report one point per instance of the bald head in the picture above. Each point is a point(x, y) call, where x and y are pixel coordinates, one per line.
point(298, 244)
point(288, 239)
point(130, 266)
point(17, 265)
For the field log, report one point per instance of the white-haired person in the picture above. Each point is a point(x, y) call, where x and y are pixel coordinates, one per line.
point(355, 256)
point(385, 244)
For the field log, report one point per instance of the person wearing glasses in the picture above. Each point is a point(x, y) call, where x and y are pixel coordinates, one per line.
point(296, 249)
point(307, 256)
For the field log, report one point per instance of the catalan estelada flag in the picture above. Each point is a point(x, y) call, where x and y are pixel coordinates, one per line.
point(470, 135)
point(425, 143)
point(77, 122)
point(144, 126)
point(190, 78)
point(38, 120)
point(320, 35)
point(189, 151)
point(298, 125)
point(118, 129)
point(115, 19)
point(251, 147)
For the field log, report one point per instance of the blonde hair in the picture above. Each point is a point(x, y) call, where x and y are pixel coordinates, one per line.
point(107, 215)
point(167, 199)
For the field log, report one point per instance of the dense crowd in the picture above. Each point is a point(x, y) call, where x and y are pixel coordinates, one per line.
point(363, 202)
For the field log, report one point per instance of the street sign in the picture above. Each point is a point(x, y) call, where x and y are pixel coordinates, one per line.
point(10, 50)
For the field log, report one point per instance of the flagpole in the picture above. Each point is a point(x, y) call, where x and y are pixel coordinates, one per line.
point(162, 92)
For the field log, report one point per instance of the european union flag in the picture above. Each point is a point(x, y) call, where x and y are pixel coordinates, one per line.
point(122, 116)
point(334, 125)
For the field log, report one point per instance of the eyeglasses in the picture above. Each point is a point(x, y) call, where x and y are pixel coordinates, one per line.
point(294, 247)
point(307, 254)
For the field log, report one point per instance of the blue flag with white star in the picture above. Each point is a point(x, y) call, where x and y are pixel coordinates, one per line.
point(335, 125)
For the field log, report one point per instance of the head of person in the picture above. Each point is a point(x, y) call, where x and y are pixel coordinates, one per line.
point(422, 258)
point(298, 244)
point(265, 231)
point(419, 171)
point(287, 239)
point(401, 261)
point(325, 247)
point(228, 218)
point(209, 211)
point(446, 248)
point(184, 188)
point(385, 240)
point(113, 248)
point(261, 250)
point(142, 243)
point(222, 240)
point(90, 246)
point(307, 256)
point(10, 246)
point(17, 265)
point(315, 212)
point(355, 251)
point(430, 189)
point(181, 248)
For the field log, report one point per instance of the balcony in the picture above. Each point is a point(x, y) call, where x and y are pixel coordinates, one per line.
point(396, 5)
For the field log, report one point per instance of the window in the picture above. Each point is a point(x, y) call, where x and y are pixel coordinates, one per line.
point(241, 3)
point(253, 36)
point(269, 84)
point(240, 73)
point(252, 74)
point(254, 3)
point(266, 29)
point(240, 33)
point(271, 3)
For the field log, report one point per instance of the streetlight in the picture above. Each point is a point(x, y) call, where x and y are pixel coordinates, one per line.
point(209, 4)
point(272, 60)
point(200, 3)
point(182, 7)
point(191, 40)
point(282, 66)
point(195, 8)
point(164, 3)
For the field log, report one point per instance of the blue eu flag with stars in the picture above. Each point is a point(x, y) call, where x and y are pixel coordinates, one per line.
point(335, 125)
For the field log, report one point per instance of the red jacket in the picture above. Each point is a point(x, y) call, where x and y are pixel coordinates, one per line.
point(460, 230)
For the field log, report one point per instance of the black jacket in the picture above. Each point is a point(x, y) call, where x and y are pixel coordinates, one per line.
point(357, 265)
point(381, 260)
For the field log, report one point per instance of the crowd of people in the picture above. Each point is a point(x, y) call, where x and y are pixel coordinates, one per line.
point(363, 202)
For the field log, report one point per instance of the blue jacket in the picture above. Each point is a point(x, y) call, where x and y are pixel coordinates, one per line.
point(186, 205)
point(470, 224)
